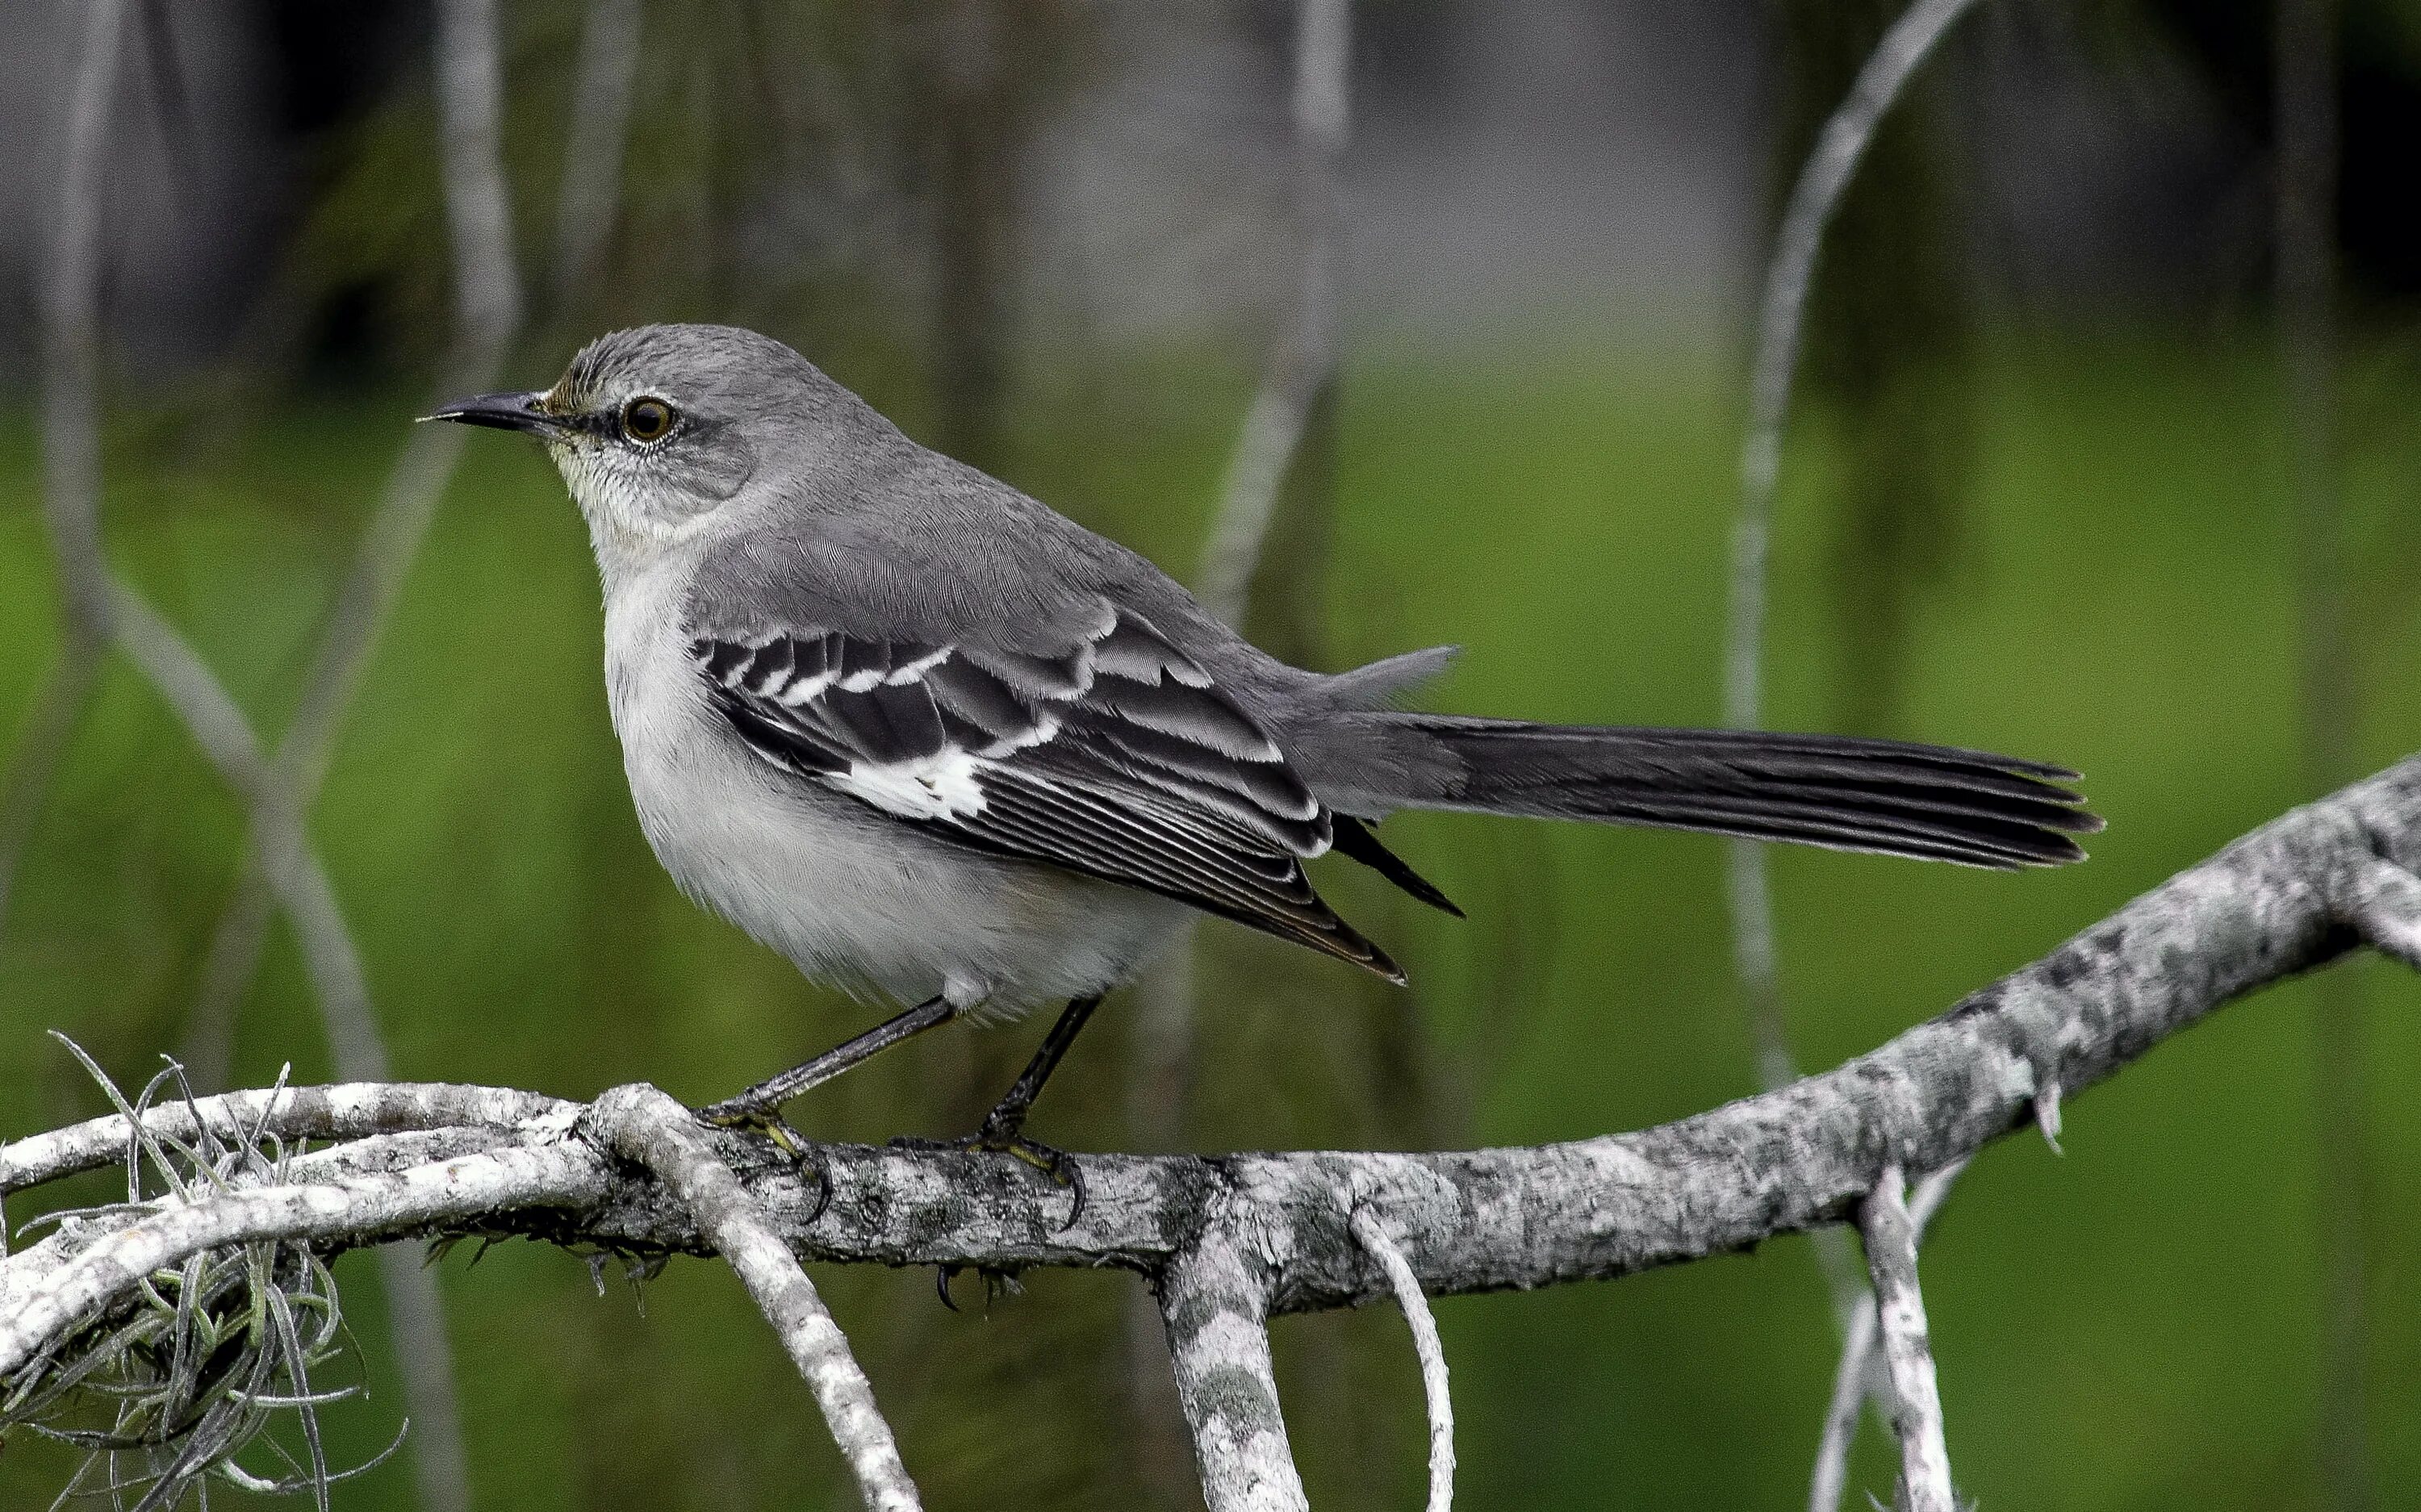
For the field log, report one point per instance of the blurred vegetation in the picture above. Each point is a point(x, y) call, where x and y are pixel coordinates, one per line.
point(2131, 1326)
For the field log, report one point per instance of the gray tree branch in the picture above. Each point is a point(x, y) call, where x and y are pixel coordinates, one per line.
point(1233, 1241)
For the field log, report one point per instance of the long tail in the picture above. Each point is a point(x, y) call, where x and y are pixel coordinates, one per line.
point(1844, 793)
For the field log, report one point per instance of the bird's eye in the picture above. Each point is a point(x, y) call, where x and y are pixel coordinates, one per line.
point(646, 418)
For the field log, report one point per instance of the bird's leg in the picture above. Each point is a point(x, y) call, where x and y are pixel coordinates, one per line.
point(757, 1107)
point(1004, 1128)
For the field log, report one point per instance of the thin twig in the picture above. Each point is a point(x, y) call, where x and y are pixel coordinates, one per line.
point(218, 727)
point(1425, 1345)
point(71, 316)
point(1852, 1384)
point(470, 77)
point(70, 301)
point(641, 1124)
point(1908, 1351)
point(1855, 1380)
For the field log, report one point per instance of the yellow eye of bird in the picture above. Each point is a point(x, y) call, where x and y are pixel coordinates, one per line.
point(646, 418)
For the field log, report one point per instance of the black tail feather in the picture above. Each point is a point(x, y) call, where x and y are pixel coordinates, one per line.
point(1935, 803)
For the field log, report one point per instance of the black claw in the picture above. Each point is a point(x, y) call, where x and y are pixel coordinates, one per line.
point(818, 1170)
point(774, 1128)
point(1064, 1170)
point(942, 1274)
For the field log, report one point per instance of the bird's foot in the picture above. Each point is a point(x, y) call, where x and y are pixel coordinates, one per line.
point(768, 1124)
point(998, 1137)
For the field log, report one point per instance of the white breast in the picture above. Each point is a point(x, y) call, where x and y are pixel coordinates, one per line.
point(853, 897)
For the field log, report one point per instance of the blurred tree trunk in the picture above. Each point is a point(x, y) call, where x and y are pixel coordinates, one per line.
point(2305, 116)
point(984, 68)
point(1890, 331)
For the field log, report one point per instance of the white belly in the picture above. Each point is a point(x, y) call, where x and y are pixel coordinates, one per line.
point(853, 898)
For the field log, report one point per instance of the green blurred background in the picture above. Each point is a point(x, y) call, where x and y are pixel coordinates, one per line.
point(2037, 500)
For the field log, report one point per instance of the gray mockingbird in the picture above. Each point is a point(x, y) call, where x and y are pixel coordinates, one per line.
point(940, 745)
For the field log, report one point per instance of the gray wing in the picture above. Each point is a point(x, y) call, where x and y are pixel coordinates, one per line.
point(1113, 753)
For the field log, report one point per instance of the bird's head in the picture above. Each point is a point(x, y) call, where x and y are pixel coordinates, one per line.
point(657, 427)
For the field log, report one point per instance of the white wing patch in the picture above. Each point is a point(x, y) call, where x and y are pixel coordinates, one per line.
point(945, 786)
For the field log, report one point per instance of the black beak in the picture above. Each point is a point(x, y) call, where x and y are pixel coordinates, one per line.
point(501, 412)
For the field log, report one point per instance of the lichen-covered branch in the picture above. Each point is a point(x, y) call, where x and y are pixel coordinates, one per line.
point(57, 1287)
point(352, 1111)
point(1233, 1241)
